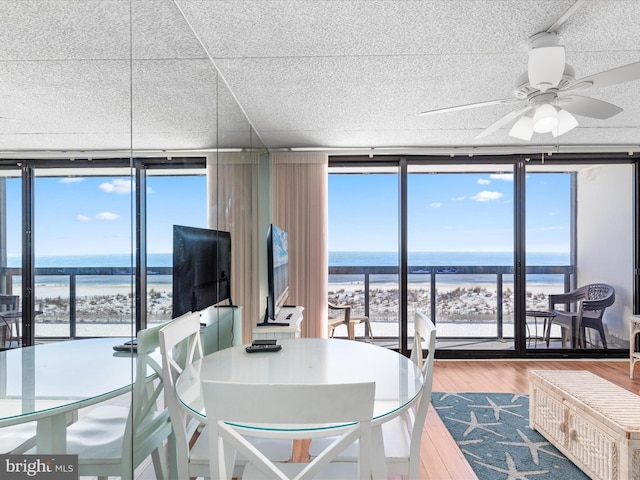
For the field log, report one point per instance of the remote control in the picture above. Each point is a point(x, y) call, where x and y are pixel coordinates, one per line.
point(269, 341)
point(126, 348)
point(263, 348)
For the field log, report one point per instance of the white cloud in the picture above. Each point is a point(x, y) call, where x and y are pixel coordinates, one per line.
point(484, 181)
point(486, 196)
point(71, 180)
point(82, 218)
point(107, 216)
point(507, 177)
point(458, 199)
point(118, 186)
point(435, 205)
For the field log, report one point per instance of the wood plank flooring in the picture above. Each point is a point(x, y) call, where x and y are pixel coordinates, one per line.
point(440, 457)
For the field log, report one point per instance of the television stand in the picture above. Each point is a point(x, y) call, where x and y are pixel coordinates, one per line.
point(266, 323)
point(291, 317)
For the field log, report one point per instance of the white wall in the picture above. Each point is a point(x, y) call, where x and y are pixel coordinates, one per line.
point(605, 237)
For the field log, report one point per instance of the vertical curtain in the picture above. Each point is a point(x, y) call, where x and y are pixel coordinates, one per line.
point(232, 185)
point(299, 198)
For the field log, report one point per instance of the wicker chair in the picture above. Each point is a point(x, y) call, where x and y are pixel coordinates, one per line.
point(349, 320)
point(584, 308)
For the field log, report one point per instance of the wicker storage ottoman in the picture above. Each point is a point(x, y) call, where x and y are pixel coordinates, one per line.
point(595, 423)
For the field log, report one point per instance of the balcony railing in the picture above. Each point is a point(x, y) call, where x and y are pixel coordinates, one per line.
point(447, 275)
point(73, 275)
point(434, 273)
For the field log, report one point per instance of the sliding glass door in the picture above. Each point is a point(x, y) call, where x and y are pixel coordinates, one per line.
point(363, 249)
point(579, 232)
point(83, 253)
point(460, 249)
point(486, 242)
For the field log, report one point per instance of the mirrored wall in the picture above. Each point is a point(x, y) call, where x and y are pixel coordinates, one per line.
point(116, 126)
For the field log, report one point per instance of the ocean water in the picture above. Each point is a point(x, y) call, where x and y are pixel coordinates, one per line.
point(124, 262)
point(446, 261)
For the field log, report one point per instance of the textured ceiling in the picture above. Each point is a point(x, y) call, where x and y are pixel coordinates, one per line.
point(337, 74)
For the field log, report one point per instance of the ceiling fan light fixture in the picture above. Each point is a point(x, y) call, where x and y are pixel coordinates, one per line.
point(545, 119)
point(566, 123)
point(523, 128)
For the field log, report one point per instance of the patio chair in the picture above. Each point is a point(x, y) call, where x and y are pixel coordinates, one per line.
point(345, 318)
point(9, 303)
point(584, 308)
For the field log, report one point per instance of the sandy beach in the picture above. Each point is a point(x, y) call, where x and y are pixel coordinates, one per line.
point(454, 302)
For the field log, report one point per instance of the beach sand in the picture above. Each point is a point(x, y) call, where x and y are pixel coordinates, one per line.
point(107, 310)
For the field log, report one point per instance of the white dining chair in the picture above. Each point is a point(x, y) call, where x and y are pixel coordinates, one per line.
point(288, 411)
point(17, 439)
point(402, 435)
point(112, 440)
point(180, 346)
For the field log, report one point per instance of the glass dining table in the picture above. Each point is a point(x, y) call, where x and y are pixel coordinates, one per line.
point(45, 383)
point(309, 361)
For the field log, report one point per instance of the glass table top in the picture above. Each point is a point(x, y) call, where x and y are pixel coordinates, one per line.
point(61, 375)
point(308, 361)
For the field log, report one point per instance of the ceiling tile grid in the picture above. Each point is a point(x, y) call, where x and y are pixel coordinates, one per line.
point(319, 74)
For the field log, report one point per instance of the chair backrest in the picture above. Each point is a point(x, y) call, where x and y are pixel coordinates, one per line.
point(345, 311)
point(180, 345)
point(145, 418)
point(424, 341)
point(295, 406)
point(9, 302)
point(598, 296)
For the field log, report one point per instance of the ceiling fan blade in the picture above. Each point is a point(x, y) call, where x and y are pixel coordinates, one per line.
point(625, 73)
point(546, 66)
point(472, 105)
point(503, 121)
point(589, 107)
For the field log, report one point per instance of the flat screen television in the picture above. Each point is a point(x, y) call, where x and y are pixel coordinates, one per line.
point(277, 272)
point(201, 268)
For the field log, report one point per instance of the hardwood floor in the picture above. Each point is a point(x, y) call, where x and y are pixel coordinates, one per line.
point(440, 457)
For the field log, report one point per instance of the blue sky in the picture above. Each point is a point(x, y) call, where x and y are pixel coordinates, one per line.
point(88, 215)
point(447, 212)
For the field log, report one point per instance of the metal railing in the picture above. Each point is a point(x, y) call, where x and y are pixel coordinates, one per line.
point(73, 274)
point(365, 272)
point(435, 272)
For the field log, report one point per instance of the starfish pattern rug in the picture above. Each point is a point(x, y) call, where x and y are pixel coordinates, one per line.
point(492, 430)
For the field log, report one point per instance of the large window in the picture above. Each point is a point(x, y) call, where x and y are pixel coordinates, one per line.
point(363, 249)
point(486, 243)
point(89, 242)
point(460, 238)
point(173, 198)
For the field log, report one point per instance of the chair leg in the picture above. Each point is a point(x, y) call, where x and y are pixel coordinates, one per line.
point(367, 325)
point(600, 329)
point(351, 331)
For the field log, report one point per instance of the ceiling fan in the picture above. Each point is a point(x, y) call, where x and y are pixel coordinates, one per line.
point(547, 93)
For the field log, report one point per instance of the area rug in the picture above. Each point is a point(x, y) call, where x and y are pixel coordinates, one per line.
point(492, 430)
